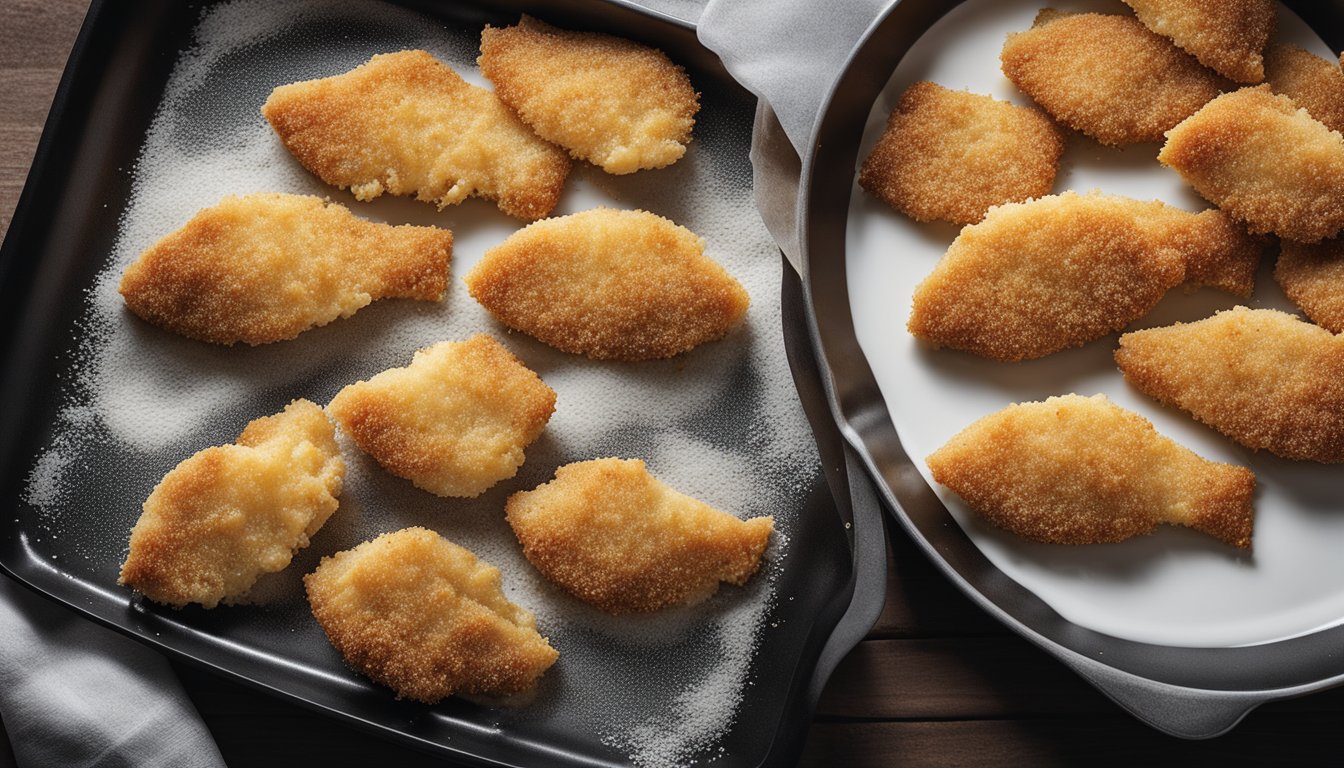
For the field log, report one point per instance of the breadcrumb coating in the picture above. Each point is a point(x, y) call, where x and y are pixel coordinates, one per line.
point(1227, 36)
point(1313, 83)
point(1313, 277)
point(618, 104)
point(1038, 277)
point(267, 267)
point(950, 155)
point(1262, 377)
point(1107, 76)
point(406, 124)
point(609, 284)
point(614, 536)
point(228, 514)
point(454, 422)
point(1082, 470)
point(426, 618)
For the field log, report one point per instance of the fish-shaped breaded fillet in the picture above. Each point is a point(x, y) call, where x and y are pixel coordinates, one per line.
point(1261, 159)
point(609, 284)
point(427, 618)
point(1107, 76)
point(618, 104)
point(1313, 277)
point(950, 155)
point(406, 124)
point(1082, 470)
point(267, 267)
point(614, 536)
point(1228, 36)
point(1313, 83)
point(454, 422)
point(228, 514)
point(1262, 377)
point(1037, 277)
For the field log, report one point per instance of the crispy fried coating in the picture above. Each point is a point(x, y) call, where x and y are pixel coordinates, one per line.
point(1264, 161)
point(1262, 377)
point(951, 155)
point(1313, 277)
point(229, 514)
point(1037, 277)
point(454, 422)
point(267, 267)
point(406, 124)
point(614, 536)
point(1082, 470)
point(1107, 76)
point(425, 617)
point(609, 284)
point(1313, 83)
point(1227, 36)
point(618, 104)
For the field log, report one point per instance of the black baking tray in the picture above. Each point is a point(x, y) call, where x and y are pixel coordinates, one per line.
point(66, 221)
point(1187, 692)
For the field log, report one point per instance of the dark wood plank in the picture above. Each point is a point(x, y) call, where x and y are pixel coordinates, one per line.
point(38, 33)
point(921, 602)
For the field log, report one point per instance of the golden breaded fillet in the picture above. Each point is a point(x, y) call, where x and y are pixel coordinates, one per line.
point(1082, 470)
point(609, 284)
point(454, 422)
point(613, 535)
point(1313, 277)
point(613, 102)
point(1262, 377)
point(426, 618)
point(231, 513)
point(1313, 83)
point(267, 267)
point(950, 155)
point(1107, 76)
point(1037, 277)
point(406, 124)
point(1264, 161)
point(1228, 36)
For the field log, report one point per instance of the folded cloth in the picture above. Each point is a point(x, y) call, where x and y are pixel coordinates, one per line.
point(75, 694)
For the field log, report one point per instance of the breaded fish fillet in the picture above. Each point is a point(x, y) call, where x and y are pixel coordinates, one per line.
point(1107, 76)
point(1313, 277)
point(618, 104)
point(454, 422)
point(406, 124)
point(1228, 36)
point(267, 267)
point(425, 617)
point(609, 284)
point(1262, 377)
point(613, 535)
point(950, 155)
point(1082, 470)
point(1264, 161)
point(229, 514)
point(1313, 83)
point(1037, 277)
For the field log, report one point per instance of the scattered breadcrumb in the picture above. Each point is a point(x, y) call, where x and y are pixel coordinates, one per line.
point(407, 124)
point(1082, 470)
point(1264, 161)
point(621, 105)
point(1313, 83)
point(1228, 36)
point(1262, 377)
point(613, 535)
point(454, 422)
point(425, 617)
point(1107, 76)
point(266, 267)
point(950, 155)
point(609, 284)
point(229, 514)
point(1313, 277)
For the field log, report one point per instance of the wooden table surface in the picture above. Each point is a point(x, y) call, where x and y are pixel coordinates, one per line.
point(935, 683)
